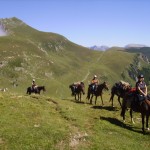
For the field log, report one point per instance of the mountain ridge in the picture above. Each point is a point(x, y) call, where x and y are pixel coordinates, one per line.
point(128, 46)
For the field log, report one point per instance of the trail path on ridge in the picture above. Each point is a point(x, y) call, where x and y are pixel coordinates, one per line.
point(98, 60)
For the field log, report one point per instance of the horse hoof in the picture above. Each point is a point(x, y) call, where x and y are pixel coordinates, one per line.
point(147, 129)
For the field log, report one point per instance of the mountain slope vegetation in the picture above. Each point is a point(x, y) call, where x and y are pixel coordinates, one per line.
point(54, 61)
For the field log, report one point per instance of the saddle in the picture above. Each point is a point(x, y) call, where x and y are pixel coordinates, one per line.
point(93, 88)
point(139, 100)
point(35, 89)
point(148, 100)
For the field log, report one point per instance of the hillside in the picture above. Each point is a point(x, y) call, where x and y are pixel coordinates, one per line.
point(143, 50)
point(56, 62)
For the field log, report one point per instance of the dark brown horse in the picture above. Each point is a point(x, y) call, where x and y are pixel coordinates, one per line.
point(37, 90)
point(131, 101)
point(77, 90)
point(119, 89)
point(98, 92)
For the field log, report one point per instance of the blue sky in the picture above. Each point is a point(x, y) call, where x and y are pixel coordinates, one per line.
point(86, 22)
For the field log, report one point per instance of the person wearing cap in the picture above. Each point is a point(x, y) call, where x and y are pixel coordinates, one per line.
point(33, 85)
point(94, 83)
point(141, 88)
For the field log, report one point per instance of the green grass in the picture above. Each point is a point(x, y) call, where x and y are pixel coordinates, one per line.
point(41, 122)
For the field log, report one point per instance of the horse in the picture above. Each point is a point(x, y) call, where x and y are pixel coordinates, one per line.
point(131, 101)
point(97, 92)
point(119, 89)
point(37, 90)
point(77, 90)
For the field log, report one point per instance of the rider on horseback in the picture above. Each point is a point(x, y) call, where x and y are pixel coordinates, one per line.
point(141, 89)
point(94, 83)
point(34, 86)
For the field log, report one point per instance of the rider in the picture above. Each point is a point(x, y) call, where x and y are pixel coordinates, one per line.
point(34, 86)
point(94, 83)
point(141, 88)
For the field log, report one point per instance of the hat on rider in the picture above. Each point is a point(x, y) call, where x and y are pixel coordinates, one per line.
point(33, 80)
point(95, 76)
point(141, 76)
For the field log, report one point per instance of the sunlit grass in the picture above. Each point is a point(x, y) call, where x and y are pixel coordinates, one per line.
point(41, 122)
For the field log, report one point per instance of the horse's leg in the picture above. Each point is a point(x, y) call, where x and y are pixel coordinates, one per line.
point(123, 111)
point(91, 99)
point(38, 92)
point(147, 118)
point(102, 100)
point(119, 101)
point(95, 99)
point(80, 97)
point(143, 118)
point(123, 115)
point(75, 96)
point(88, 93)
point(112, 99)
point(132, 121)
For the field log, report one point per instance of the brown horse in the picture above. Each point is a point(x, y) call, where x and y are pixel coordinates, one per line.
point(119, 89)
point(77, 90)
point(131, 101)
point(36, 91)
point(98, 92)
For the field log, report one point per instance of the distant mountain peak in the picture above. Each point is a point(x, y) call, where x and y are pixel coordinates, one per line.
point(100, 48)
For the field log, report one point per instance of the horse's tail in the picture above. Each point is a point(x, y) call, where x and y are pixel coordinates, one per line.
point(88, 94)
point(112, 93)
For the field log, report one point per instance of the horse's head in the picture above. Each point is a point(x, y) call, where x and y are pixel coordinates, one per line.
point(44, 89)
point(70, 86)
point(105, 86)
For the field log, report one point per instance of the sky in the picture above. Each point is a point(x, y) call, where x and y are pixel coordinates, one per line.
point(86, 22)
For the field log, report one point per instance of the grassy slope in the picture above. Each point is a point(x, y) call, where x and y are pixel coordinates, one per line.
point(41, 122)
